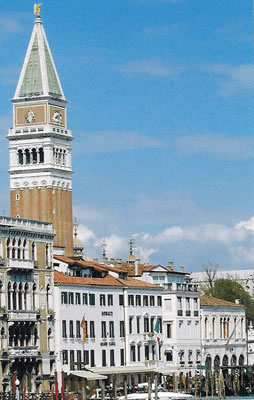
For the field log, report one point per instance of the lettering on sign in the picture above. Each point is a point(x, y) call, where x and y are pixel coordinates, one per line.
point(108, 313)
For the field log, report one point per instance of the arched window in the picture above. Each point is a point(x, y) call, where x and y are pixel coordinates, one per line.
point(25, 296)
point(13, 253)
point(41, 155)
point(24, 250)
point(47, 295)
point(9, 295)
point(8, 248)
point(34, 156)
point(20, 157)
point(217, 364)
point(33, 251)
point(213, 327)
point(27, 156)
point(47, 254)
point(20, 296)
point(206, 328)
point(14, 296)
point(33, 296)
point(19, 249)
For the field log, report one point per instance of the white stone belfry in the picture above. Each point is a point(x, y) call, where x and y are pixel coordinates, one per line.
point(40, 143)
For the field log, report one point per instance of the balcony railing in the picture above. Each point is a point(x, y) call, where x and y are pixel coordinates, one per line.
point(20, 315)
point(24, 351)
point(15, 263)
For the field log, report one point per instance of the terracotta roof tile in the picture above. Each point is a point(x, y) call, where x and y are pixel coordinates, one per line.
point(108, 280)
point(214, 301)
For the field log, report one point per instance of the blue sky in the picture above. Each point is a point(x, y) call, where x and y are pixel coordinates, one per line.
point(161, 107)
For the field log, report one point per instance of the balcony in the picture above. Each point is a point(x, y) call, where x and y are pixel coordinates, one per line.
point(20, 315)
point(18, 264)
point(149, 337)
point(149, 363)
point(24, 351)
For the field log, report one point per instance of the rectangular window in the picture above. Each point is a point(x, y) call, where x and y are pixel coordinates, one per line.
point(146, 325)
point(103, 329)
point(65, 356)
point(169, 331)
point(131, 300)
point(152, 301)
point(86, 357)
point(130, 324)
point(122, 330)
point(133, 353)
point(71, 329)
point(102, 300)
point(146, 352)
point(138, 324)
point(78, 335)
point(139, 352)
point(64, 298)
point(72, 360)
point(92, 299)
point(77, 298)
point(84, 298)
point(92, 330)
point(138, 300)
point(121, 356)
point(112, 358)
point(169, 355)
point(71, 298)
point(152, 324)
point(145, 301)
point(179, 306)
point(110, 299)
point(92, 358)
point(121, 300)
point(111, 329)
point(64, 330)
point(103, 358)
point(159, 301)
point(79, 359)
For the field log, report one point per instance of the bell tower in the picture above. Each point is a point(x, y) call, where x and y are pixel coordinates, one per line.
point(40, 143)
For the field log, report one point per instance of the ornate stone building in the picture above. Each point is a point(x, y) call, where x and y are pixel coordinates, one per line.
point(26, 304)
point(40, 144)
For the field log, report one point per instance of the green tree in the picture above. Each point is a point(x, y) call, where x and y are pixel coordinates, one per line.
point(227, 289)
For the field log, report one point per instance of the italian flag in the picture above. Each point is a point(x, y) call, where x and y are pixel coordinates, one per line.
point(157, 331)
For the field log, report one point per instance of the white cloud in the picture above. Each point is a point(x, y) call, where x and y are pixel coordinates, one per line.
point(115, 245)
point(110, 141)
point(239, 78)
point(151, 67)
point(201, 233)
point(249, 224)
point(236, 147)
point(85, 234)
point(242, 254)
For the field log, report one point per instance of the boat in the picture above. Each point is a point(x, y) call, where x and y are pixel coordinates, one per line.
point(162, 394)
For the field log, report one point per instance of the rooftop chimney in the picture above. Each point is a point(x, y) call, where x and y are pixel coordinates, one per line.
point(170, 265)
point(182, 268)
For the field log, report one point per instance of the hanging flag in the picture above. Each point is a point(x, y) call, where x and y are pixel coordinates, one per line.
point(83, 326)
point(233, 332)
point(14, 382)
point(56, 385)
point(62, 388)
point(230, 337)
point(157, 331)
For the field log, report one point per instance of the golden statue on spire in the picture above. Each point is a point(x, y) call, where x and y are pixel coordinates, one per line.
point(37, 9)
